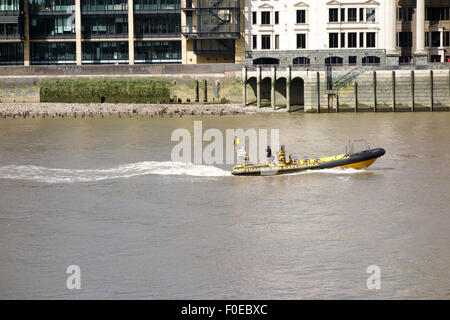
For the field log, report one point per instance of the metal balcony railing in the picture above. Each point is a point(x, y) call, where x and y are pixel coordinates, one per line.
point(209, 4)
point(190, 29)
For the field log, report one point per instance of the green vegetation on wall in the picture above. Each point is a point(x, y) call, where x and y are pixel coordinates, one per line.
point(105, 90)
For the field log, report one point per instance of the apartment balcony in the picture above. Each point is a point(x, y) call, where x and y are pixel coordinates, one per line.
point(11, 21)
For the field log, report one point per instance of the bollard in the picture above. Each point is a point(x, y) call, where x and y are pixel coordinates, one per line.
point(197, 99)
point(375, 91)
point(318, 92)
point(413, 102)
point(393, 91)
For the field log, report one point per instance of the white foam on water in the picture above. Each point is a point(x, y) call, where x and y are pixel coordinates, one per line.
point(337, 170)
point(51, 175)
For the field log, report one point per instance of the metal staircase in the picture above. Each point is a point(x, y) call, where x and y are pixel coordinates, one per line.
point(347, 78)
point(215, 6)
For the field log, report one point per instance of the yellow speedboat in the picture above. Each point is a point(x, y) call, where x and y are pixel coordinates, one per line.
point(349, 159)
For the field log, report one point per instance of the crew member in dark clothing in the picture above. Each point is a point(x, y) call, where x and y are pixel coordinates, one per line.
point(269, 154)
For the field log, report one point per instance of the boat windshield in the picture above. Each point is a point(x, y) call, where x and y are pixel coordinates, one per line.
point(356, 146)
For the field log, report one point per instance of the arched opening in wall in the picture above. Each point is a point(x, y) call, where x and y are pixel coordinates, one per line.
point(251, 91)
point(334, 61)
point(280, 92)
point(301, 61)
point(268, 61)
point(266, 86)
point(371, 60)
point(297, 93)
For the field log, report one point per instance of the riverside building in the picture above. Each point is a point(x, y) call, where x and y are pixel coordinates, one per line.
point(309, 32)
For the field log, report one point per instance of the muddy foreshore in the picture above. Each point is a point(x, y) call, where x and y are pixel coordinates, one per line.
point(24, 110)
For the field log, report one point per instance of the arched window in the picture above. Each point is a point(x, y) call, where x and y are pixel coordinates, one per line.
point(266, 61)
point(371, 60)
point(334, 61)
point(303, 61)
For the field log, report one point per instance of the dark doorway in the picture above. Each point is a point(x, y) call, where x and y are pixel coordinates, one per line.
point(297, 93)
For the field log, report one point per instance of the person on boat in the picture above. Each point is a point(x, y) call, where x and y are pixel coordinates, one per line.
point(282, 155)
point(246, 158)
point(291, 159)
point(269, 154)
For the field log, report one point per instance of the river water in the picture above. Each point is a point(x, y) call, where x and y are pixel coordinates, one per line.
point(103, 194)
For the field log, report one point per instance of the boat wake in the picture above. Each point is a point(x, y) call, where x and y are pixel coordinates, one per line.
point(51, 175)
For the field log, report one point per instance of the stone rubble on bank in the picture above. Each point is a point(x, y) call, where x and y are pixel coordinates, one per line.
point(24, 110)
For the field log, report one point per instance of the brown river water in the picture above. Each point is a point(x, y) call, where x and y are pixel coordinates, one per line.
point(103, 194)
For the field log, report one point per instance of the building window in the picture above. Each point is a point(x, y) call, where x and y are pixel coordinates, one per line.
point(277, 17)
point(214, 46)
point(254, 19)
point(301, 16)
point(352, 42)
point(105, 26)
point(336, 61)
point(427, 39)
point(105, 52)
point(160, 24)
point(277, 42)
point(51, 26)
point(351, 15)
point(342, 15)
point(158, 51)
point(342, 40)
point(352, 60)
point(8, 5)
point(361, 14)
point(370, 14)
point(265, 42)
point(446, 39)
point(370, 41)
point(361, 39)
point(404, 39)
point(52, 52)
point(301, 41)
point(265, 17)
point(11, 53)
point(404, 14)
point(9, 30)
point(333, 40)
point(435, 39)
point(333, 15)
point(255, 42)
point(437, 13)
point(104, 5)
point(305, 61)
point(370, 60)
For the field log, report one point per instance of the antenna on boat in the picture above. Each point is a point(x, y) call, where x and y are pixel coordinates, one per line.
point(239, 150)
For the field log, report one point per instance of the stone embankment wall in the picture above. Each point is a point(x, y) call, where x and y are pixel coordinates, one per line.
point(377, 89)
point(401, 90)
point(178, 89)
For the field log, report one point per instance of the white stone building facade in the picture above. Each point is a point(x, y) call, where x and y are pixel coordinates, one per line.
point(348, 32)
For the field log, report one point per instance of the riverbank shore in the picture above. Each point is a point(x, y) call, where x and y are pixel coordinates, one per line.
point(24, 110)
